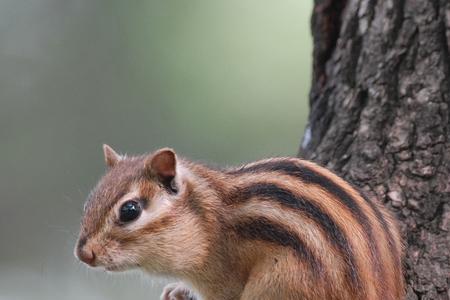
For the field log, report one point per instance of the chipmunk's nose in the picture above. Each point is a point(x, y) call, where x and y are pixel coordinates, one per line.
point(85, 253)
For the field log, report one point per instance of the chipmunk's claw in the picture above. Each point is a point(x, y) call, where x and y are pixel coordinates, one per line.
point(177, 291)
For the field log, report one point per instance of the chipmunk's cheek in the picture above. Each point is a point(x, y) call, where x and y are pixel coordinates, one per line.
point(117, 259)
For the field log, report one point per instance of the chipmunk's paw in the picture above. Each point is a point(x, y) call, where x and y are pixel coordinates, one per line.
point(177, 291)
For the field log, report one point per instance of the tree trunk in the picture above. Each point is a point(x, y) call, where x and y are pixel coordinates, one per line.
point(380, 117)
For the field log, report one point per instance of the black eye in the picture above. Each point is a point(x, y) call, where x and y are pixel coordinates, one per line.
point(129, 211)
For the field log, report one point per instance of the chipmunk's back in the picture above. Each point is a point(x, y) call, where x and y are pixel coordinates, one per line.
point(341, 241)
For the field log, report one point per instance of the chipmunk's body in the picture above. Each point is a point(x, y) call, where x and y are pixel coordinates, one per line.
point(281, 228)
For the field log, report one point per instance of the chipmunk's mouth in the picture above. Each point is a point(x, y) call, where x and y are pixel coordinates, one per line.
point(116, 268)
point(119, 268)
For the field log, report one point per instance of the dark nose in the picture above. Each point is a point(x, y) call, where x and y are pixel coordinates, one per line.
point(85, 253)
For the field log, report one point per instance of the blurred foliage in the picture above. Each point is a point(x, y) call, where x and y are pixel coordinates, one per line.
point(220, 81)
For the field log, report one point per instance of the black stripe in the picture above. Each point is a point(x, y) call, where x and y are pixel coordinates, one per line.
point(270, 191)
point(309, 176)
point(387, 233)
point(264, 229)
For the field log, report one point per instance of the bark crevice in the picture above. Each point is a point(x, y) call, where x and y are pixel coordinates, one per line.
point(326, 20)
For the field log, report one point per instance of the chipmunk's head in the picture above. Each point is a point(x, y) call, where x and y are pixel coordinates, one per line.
point(136, 216)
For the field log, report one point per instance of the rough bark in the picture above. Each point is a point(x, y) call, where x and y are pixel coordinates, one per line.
point(379, 116)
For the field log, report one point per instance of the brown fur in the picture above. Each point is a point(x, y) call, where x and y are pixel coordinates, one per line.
point(240, 234)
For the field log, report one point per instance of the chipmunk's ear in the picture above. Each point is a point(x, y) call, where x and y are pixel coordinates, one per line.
point(163, 165)
point(111, 156)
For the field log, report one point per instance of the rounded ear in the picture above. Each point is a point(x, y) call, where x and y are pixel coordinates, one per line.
point(163, 165)
point(111, 156)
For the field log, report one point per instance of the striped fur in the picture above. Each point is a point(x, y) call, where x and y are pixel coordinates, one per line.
point(280, 228)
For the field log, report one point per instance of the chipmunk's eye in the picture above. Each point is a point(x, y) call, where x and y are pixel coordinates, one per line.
point(129, 211)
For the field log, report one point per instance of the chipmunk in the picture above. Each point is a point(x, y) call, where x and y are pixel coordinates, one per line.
point(280, 228)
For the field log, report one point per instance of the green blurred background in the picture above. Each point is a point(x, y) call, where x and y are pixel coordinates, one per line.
point(223, 82)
